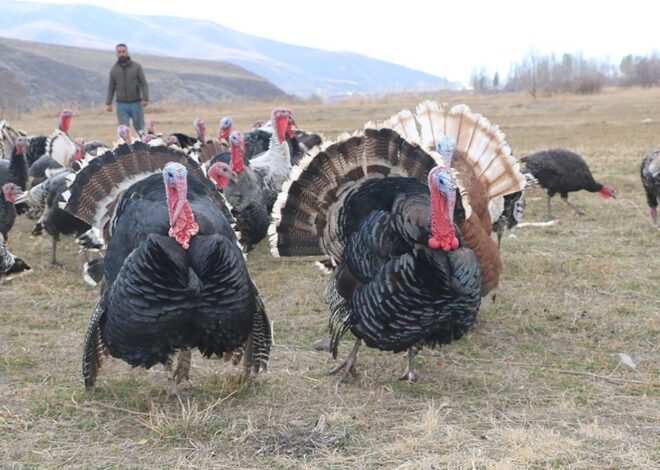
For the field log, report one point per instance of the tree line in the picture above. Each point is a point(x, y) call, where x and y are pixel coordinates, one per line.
point(573, 73)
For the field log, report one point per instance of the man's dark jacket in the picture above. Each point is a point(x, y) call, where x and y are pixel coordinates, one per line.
point(129, 83)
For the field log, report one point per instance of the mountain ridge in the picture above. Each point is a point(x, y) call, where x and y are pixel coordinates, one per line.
point(295, 69)
point(34, 75)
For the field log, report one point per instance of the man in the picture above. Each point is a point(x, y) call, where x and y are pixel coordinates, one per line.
point(127, 79)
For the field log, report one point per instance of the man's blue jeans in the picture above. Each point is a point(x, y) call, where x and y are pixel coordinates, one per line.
point(128, 111)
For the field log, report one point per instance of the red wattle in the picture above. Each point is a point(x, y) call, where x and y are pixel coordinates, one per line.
point(237, 163)
point(184, 227)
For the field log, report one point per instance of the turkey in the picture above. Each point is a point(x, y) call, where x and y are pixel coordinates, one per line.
point(273, 166)
point(245, 195)
point(59, 145)
point(405, 229)
point(13, 177)
point(15, 169)
point(650, 173)
point(300, 142)
point(54, 220)
point(562, 171)
point(214, 150)
point(224, 129)
point(10, 192)
point(175, 277)
point(41, 169)
point(58, 152)
point(8, 136)
point(186, 141)
point(36, 143)
point(257, 141)
point(10, 265)
point(513, 208)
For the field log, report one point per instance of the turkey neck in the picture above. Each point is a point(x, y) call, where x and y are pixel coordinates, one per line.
point(442, 221)
point(65, 123)
point(237, 163)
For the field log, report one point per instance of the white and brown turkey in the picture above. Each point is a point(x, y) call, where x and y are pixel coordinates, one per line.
point(650, 173)
point(273, 166)
point(406, 233)
point(174, 275)
point(58, 152)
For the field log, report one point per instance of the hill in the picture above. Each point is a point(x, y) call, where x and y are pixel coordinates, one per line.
point(296, 69)
point(34, 75)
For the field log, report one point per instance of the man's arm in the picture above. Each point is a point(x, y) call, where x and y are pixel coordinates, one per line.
point(112, 85)
point(143, 84)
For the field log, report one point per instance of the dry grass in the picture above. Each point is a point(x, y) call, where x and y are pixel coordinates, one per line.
point(535, 383)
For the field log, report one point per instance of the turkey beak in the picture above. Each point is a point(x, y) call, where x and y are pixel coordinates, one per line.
point(233, 177)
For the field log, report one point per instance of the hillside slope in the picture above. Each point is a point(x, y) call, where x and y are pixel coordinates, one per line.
point(33, 75)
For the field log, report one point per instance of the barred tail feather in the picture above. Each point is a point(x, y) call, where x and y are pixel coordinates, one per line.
point(483, 144)
point(94, 188)
point(93, 350)
point(262, 338)
point(302, 216)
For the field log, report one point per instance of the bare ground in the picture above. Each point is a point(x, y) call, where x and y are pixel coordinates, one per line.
point(538, 382)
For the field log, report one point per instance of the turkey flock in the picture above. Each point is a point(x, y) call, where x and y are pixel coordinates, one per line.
point(400, 215)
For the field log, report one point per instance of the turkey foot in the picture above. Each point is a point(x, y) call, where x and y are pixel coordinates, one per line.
point(175, 376)
point(182, 371)
point(577, 210)
point(409, 374)
point(348, 365)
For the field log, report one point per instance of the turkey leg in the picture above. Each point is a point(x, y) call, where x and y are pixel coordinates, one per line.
point(409, 373)
point(182, 370)
point(549, 215)
point(577, 210)
point(348, 366)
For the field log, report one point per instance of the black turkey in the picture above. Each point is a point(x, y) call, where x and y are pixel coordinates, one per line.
point(185, 141)
point(175, 277)
point(13, 177)
point(411, 256)
point(562, 171)
point(650, 173)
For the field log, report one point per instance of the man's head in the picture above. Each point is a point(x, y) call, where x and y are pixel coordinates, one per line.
point(122, 52)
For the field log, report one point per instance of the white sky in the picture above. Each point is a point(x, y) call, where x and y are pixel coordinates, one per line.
point(445, 38)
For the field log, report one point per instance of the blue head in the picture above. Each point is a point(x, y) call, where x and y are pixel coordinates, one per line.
point(445, 146)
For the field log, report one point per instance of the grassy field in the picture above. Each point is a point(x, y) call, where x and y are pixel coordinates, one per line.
point(538, 382)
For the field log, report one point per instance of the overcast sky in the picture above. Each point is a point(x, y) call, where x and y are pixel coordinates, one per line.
point(445, 38)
